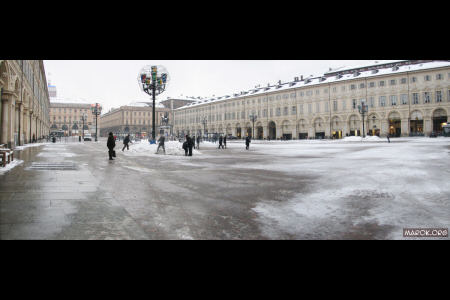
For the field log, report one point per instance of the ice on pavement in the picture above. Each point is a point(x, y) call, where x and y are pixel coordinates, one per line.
point(393, 185)
point(9, 166)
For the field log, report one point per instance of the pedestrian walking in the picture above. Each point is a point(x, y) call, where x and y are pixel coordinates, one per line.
point(225, 141)
point(247, 143)
point(126, 141)
point(185, 146)
point(220, 142)
point(388, 138)
point(161, 144)
point(193, 139)
point(111, 144)
point(198, 143)
point(190, 144)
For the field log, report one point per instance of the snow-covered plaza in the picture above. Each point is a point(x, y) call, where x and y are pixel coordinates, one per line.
point(310, 189)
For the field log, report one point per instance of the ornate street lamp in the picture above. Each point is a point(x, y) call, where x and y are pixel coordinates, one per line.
point(204, 122)
point(363, 109)
point(96, 110)
point(253, 118)
point(153, 80)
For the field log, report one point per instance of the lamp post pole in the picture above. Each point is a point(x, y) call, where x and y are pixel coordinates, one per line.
point(153, 110)
point(204, 125)
point(83, 117)
point(253, 118)
point(363, 110)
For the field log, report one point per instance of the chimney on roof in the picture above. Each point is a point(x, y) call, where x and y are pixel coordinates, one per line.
point(301, 77)
point(279, 81)
point(296, 79)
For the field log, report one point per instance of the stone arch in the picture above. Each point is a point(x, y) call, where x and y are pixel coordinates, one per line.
point(228, 129)
point(395, 123)
point(272, 128)
point(439, 117)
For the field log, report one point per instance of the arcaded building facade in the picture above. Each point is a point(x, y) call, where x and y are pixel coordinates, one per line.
point(24, 109)
point(404, 98)
point(66, 117)
point(136, 118)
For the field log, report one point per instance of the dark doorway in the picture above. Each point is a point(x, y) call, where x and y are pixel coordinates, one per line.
point(260, 133)
point(302, 136)
point(238, 132)
point(395, 128)
point(438, 123)
point(320, 135)
point(272, 131)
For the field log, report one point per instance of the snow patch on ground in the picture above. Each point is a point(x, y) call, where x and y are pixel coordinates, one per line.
point(10, 166)
point(30, 145)
point(390, 186)
point(144, 148)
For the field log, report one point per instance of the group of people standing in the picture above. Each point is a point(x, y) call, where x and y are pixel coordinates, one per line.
point(188, 144)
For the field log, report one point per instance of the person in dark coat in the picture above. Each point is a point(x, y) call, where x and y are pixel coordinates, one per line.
point(220, 142)
point(225, 141)
point(198, 142)
point(190, 144)
point(161, 143)
point(247, 142)
point(111, 144)
point(126, 141)
point(388, 138)
point(185, 146)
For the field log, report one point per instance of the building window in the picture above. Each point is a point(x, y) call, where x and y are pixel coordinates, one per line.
point(362, 85)
point(371, 84)
point(427, 78)
point(439, 76)
point(382, 101)
point(404, 98)
point(438, 96)
point(344, 104)
point(265, 113)
point(393, 100)
point(285, 96)
point(426, 97)
point(271, 112)
point(286, 111)
point(413, 79)
point(334, 89)
point(293, 95)
point(301, 107)
point(278, 111)
point(393, 82)
point(294, 110)
point(415, 98)
point(371, 102)
point(403, 81)
point(317, 107)
point(317, 92)
point(353, 86)
point(326, 106)
point(381, 83)
point(309, 108)
point(302, 94)
point(354, 103)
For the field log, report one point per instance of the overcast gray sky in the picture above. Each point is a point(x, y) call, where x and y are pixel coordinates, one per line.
point(114, 82)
